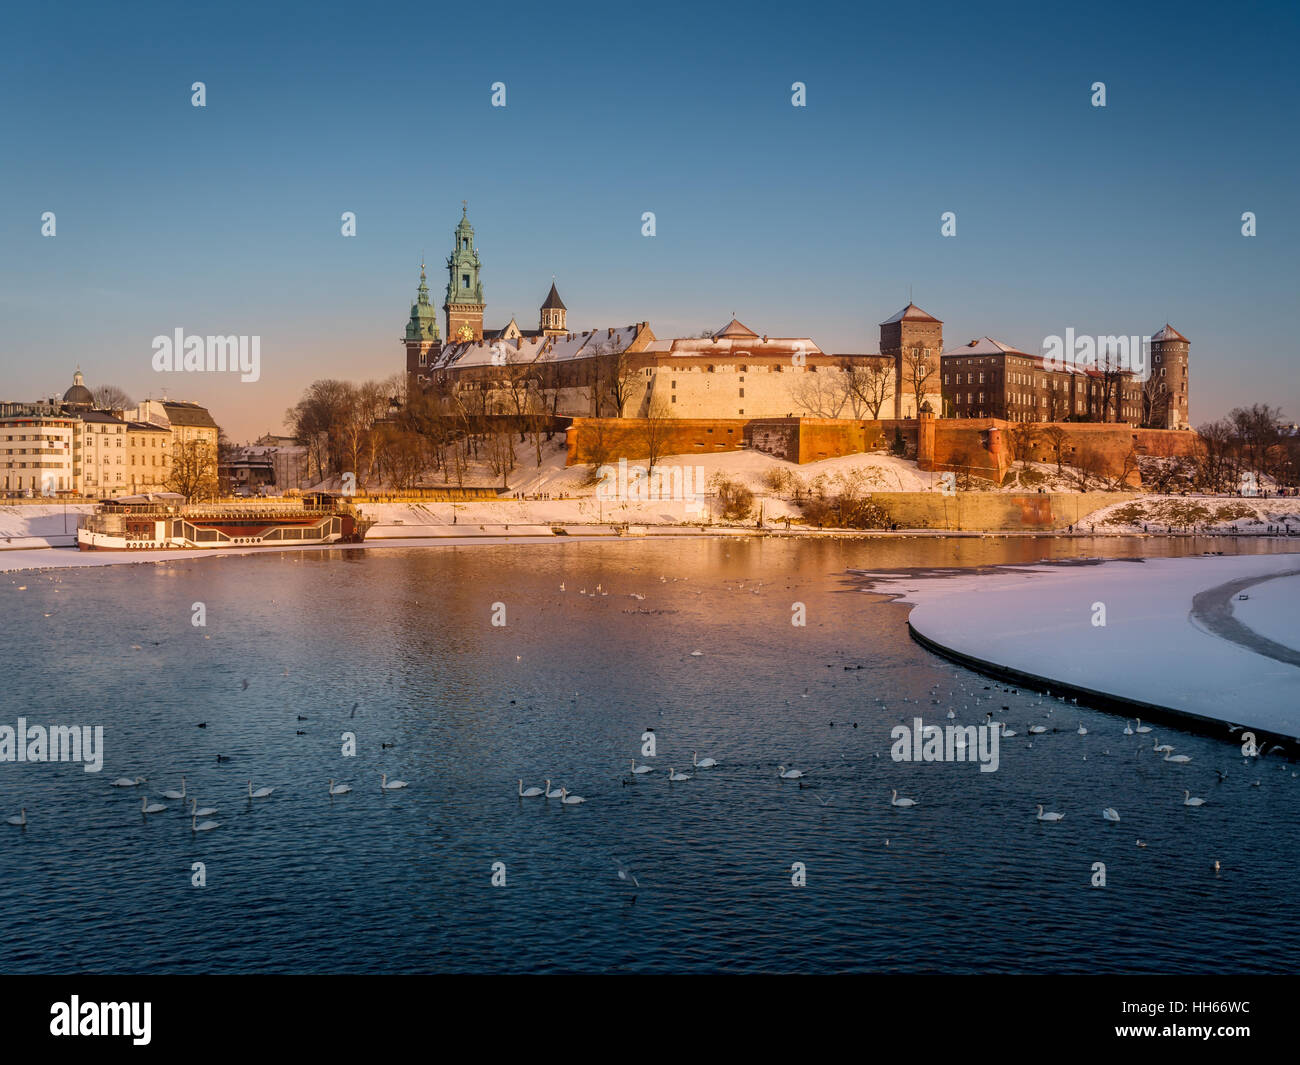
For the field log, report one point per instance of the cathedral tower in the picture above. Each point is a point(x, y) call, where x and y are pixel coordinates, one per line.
point(422, 341)
point(553, 314)
point(464, 303)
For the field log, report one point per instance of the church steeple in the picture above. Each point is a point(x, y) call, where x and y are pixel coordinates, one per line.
point(422, 341)
point(553, 314)
point(464, 300)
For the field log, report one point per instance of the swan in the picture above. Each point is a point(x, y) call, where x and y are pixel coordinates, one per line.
point(1081, 731)
point(553, 793)
point(674, 775)
point(339, 789)
point(1034, 730)
point(570, 800)
point(1141, 727)
point(147, 807)
point(207, 826)
point(788, 774)
point(1180, 758)
point(530, 793)
point(197, 811)
point(638, 769)
point(1007, 733)
point(260, 793)
point(1049, 817)
point(703, 763)
point(392, 785)
point(894, 800)
point(173, 793)
point(1163, 748)
point(951, 715)
point(1189, 801)
point(127, 782)
point(1128, 729)
point(1109, 814)
point(20, 820)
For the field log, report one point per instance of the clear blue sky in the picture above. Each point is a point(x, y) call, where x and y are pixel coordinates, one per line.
point(803, 221)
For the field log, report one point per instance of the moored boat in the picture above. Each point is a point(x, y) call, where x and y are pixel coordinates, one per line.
point(163, 520)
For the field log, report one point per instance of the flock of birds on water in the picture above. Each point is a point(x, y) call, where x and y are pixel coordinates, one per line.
point(638, 771)
point(703, 765)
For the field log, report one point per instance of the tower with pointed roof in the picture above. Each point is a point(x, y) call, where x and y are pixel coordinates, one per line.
point(422, 341)
point(1169, 352)
point(914, 339)
point(464, 302)
point(553, 314)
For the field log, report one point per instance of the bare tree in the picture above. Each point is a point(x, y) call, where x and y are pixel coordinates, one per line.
point(616, 377)
point(870, 383)
point(1155, 403)
point(1056, 437)
point(821, 394)
point(656, 431)
point(110, 397)
point(919, 369)
point(194, 470)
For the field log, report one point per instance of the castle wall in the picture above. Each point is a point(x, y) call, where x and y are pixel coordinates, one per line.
point(995, 511)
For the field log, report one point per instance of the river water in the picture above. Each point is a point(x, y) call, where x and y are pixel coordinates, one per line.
point(398, 646)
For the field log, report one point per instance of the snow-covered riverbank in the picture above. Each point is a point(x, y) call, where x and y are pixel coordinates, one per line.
point(1170, 634)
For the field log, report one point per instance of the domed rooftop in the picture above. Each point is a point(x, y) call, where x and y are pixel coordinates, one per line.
point(78, 395)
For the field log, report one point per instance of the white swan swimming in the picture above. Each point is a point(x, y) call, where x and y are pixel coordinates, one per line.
point(1049, 817)
point(553, 793)
point(570, 800)
point(894, 800)
point(1008, 733)
point(1141, 727)
point(147, 807)
point(1082, 731)
point(1128, 729)
point(196, 811)
point(1109, 814)
point(1180, 758)
point(637, 769)
point(20, 820)
point(788, 774)
point(392, 785)
point(1034, 730)
point(339, 789)
point(1189, 801)
point(260, 793)
point(127, 782)
point(524, 793)
point(674, 775)
point(172, 793)
point(703, 763)
point(207, 826)
point(1163, 748)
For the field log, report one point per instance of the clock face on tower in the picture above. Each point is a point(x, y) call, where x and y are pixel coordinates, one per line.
point(465, 332)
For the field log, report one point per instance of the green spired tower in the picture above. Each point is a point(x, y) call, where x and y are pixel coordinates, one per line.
point(464, 304)
point(422, 341)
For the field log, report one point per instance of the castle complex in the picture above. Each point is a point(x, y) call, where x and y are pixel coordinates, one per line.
point(628, 372)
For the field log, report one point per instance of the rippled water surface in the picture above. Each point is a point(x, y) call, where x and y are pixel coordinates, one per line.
point(398, 647)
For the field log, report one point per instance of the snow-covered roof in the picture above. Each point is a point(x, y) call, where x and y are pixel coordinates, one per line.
point(1170, 333)
point(748, 344)
point(735, 330)
point(988, 346)
point(535, 349)
point(911, 313)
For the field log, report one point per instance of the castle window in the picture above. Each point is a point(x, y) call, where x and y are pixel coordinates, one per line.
point(464, 280)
